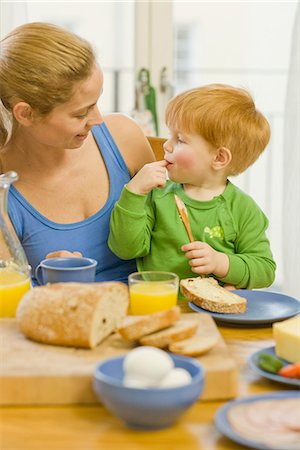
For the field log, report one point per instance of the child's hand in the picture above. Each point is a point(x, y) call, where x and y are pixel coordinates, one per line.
point(150, 176)
point(204, 259)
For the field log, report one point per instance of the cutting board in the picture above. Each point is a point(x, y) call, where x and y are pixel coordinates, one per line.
point(33, 373)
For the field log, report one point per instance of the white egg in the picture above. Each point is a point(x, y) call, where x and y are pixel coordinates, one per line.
point(135, 382)
point(176, 377)
point(148, 363)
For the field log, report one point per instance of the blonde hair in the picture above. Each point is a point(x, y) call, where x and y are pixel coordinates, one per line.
point(39, 64)
point(224, 116)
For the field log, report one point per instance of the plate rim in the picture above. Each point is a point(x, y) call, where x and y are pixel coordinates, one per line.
point(223, 426)
point(271, 376)
point(230, 319)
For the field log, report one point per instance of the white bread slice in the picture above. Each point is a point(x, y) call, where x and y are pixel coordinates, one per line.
point(73, 314)
point(206, 293)
point(134, 327)
point(182, 329)
point(194, 346)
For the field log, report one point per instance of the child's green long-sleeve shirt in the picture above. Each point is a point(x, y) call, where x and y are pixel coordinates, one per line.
point(149, 228)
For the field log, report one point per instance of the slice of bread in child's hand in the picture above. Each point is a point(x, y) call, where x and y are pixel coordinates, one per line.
point(182, 329)
point(135, 327)
point(206, 293)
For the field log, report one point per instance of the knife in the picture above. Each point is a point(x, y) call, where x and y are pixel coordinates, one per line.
point(182, 211)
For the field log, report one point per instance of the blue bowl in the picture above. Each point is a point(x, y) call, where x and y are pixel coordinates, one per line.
point(150, 408)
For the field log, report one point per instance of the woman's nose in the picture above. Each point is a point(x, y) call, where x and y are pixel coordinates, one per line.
point(94, 117)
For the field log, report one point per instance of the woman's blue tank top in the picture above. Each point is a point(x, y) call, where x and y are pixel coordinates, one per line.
point(40, 236)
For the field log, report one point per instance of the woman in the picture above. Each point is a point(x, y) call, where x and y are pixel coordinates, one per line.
point(72, 163)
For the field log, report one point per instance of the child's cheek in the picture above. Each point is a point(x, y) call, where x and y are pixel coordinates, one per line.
point(185, 160)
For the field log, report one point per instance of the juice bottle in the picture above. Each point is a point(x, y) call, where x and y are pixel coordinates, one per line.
point(14, 269)
point(13, 286)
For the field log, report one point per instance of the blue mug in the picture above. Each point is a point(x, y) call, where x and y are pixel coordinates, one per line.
point(62, 270)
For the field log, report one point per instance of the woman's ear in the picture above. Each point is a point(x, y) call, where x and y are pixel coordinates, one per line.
point(23, 113)
point(222, 158)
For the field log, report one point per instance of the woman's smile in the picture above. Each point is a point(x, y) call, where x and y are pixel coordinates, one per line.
point(82, 137)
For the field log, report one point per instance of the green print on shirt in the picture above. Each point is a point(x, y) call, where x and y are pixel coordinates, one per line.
point(216, 231)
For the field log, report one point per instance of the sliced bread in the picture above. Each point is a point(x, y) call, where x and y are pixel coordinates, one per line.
point(182, 329)
point(73, 314)
point(194, 346)
point(206, 293)
point(134, 327)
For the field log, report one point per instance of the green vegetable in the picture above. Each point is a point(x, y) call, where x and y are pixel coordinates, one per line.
point(269, 363)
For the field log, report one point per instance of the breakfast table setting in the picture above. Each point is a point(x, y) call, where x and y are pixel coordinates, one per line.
point(76, 420)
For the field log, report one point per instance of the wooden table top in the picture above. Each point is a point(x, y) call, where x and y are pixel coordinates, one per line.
point(93, 427)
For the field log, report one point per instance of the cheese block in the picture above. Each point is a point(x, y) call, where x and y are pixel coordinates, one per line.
point(287, 339)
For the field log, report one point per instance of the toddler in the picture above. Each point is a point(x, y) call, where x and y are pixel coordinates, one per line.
point(215, 132)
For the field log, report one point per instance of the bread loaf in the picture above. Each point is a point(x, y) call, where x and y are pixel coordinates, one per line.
point(134, 327)
point(206, 293)
point(182, 329)
point(73, 314)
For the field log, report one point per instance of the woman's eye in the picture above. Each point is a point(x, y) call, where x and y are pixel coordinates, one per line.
point(81, 116)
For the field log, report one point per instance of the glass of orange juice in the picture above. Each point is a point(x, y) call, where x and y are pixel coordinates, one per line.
point(152, 291)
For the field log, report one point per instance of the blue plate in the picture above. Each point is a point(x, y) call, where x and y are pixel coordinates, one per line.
point(263, 307)
point(253, 363)
point(224, 426)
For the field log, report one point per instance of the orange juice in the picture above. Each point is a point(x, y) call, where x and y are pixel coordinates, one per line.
point(150, 297)
point(13, 286)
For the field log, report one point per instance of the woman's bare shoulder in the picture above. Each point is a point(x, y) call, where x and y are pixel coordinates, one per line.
point(130, 140)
